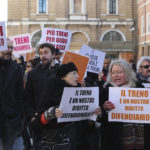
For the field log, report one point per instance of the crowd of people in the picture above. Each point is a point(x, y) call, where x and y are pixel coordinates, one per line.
point(30, 95)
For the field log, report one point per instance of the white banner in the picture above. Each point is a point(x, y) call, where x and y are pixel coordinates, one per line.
point(131, 105)
point(79, 103)
point(58, 37)
point(96, 61)
point(21, 43)
point(3, 41)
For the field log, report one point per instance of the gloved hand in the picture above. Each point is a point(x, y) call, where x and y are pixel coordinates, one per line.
point(50, 113)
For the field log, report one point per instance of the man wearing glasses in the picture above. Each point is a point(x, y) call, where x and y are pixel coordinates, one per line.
point(143, 69)
point(143, 76)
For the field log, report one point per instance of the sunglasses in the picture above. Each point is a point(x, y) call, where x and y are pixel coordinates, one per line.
point(146, 66)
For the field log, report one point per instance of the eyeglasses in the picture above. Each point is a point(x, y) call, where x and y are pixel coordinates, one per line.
point(146, 66)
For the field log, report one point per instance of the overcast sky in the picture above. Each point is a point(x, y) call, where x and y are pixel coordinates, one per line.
point(3, 10)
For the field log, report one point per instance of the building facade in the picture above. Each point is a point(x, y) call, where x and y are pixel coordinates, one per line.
point(106, 25)
point(143, 27)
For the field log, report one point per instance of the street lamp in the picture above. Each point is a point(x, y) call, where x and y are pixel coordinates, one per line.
point(132, 29)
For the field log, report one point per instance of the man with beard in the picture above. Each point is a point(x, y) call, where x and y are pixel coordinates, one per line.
point(143, 75)
point(36, 83)
point(11, 100)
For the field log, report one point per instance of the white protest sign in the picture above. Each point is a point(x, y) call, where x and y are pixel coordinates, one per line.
point(131, 105)
point(3, 41)
point(79, 103)
point(58, 37)
point(96, 61)
point(146, 85)
point(21, 43)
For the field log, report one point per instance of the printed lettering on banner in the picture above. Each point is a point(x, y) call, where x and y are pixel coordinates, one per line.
point(131, 105)
point(96, 61)
point(21, 43)
point(58, 37)
point(79, 103)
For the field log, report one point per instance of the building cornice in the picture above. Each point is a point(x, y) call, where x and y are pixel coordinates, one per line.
point(70, 22)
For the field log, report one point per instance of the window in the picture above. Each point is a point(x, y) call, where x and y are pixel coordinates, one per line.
point(36, 38)
point(142, 25)
point(112, 7)
point(42, 6)
point(77, 6)
point(112, 36)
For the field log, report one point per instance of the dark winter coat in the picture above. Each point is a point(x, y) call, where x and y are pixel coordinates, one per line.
point(146, 126)
point(111, 132)
point(36, 84)
point(11, 94)
point(51, 98)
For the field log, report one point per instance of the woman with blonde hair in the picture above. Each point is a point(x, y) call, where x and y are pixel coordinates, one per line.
point(117, 135)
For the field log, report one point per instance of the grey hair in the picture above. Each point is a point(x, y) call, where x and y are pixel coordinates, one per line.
point(144, 58)
point(129, 73)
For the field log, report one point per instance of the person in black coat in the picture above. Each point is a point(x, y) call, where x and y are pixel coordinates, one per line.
point(115, 135)
point(66, 76)
point(60, 135)
point(35, 85)
point(11, 100)
point(143, 76)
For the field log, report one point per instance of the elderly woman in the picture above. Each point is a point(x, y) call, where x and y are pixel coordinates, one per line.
point(116, 135)
point(58, 136)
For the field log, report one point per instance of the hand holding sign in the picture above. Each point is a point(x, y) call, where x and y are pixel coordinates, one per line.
point(58, 113)
point(108, 105)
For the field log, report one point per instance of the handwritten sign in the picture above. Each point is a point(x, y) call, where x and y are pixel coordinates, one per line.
point(131, 105)
point(96, 61)
point(79, 103)
point(21, 43)
point(58, 37)
point(3, 41)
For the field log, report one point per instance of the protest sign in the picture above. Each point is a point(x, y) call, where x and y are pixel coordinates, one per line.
point(96, 61)
point(58, 37)
point(146, 85)
point(131, 105)
point(21, 43)
point(80, 61)
point(79, 103)
point(3, 41)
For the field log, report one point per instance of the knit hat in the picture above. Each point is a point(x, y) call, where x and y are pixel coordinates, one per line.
point(64, 69)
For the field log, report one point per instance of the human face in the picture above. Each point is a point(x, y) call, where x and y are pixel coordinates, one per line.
point(106, 63)
point(8, 53)
point(118, 75)
point(145, 68)
point(29, 67)
point(71, 78)
point(45, 55)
